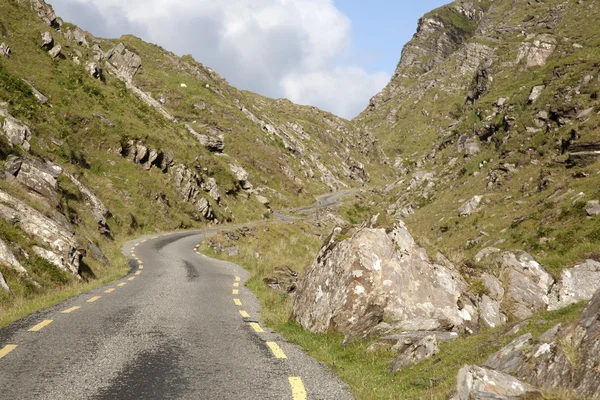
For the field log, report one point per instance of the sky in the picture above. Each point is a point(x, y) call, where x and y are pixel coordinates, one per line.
point(332, 54)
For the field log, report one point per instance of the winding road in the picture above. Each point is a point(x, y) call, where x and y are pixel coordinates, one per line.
point(179, 326)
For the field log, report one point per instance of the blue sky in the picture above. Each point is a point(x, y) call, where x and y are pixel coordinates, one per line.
point(332, 54)
point(380, 28)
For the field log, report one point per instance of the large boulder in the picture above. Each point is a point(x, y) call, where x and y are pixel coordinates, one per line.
point(537, 52)
point(366, 274)
point(422, 350)
point(470, 206)
point(241, 176)
point(211, 143)
point(59, 238)
point(576, 284)
point(39, 178)
point(476, 383)
point(125, 63)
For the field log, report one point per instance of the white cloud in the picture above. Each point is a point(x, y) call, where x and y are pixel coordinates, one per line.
point(278, 48)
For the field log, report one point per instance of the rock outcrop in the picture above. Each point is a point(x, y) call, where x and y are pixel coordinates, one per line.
point(576, 284)
point(39, 178)
point(564, 360)
point(366, 274)
point(211, 142)
point(63, 249)
point(99, 210)
point(45, 12)
point(125, 63)
point(15, 130)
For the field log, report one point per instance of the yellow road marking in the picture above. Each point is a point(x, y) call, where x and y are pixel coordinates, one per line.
point(144, 241)
point(155, 237)
point(122, 284)
point(93, 299)
point(109, 290)
point(277, 352)
point(298, 391)
point(236, 284)
point(141, 266)
point(138, 272)
point(41, 325)
point(237, 302)
point(7, 349)
point(237, 279)
point(70, 310)
point(136, 245)
point(235, 291)
point(244, 314)
point(256, 327)
point(132, 278)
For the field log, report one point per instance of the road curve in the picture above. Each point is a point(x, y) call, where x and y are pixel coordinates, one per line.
point(326, 200)
point(179, 326)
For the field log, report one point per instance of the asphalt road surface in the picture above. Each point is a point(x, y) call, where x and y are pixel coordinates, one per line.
point(179, 326)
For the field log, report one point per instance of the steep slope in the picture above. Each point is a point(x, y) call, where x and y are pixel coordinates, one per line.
point(103, 139)
point(494, 107)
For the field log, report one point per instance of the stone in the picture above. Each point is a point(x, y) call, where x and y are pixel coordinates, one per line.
point(212, 143)
point(510, 359)
point(528, 284)
point(15, 130)
point(354, 282)
point(59, 237)
point(424, 349)
point(576, 284)
point(489, 313)
point(78, 36)
point(37, 94)
point(536, 53)
point(55, 51)
point(494, 286)
point(39, 178)
point(468, 145)
point(233, 251)
point(47, 41)
point(470, 206)
point(592, 208)
point(583, 153)
point(126, 63)
point(5, 50)
point(241, 176)
point(536, 92)
point(45, 12)
point(262, 200)
point(474, 383)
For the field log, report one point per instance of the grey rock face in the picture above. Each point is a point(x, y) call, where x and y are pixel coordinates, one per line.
point(576, 284)
point(36, 176)
point(476, 383)
point(352, 283)
point(536, 53)
point(77, 36)
point(3, 285)
point(528, 284)
point(59, 238)
point(241, 175)
point(125, 62)
point(470, 206)
point(425, 348)
point(15, 130)
point(468, 145)
point(37, 94)
point(401, 341)
point(262, 200)
point(510, 359)
point(490, 314)
point(44, 12)
point(94, 70)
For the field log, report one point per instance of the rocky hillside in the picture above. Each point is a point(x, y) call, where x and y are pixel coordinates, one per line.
point(492, 123)
point(103, 139)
